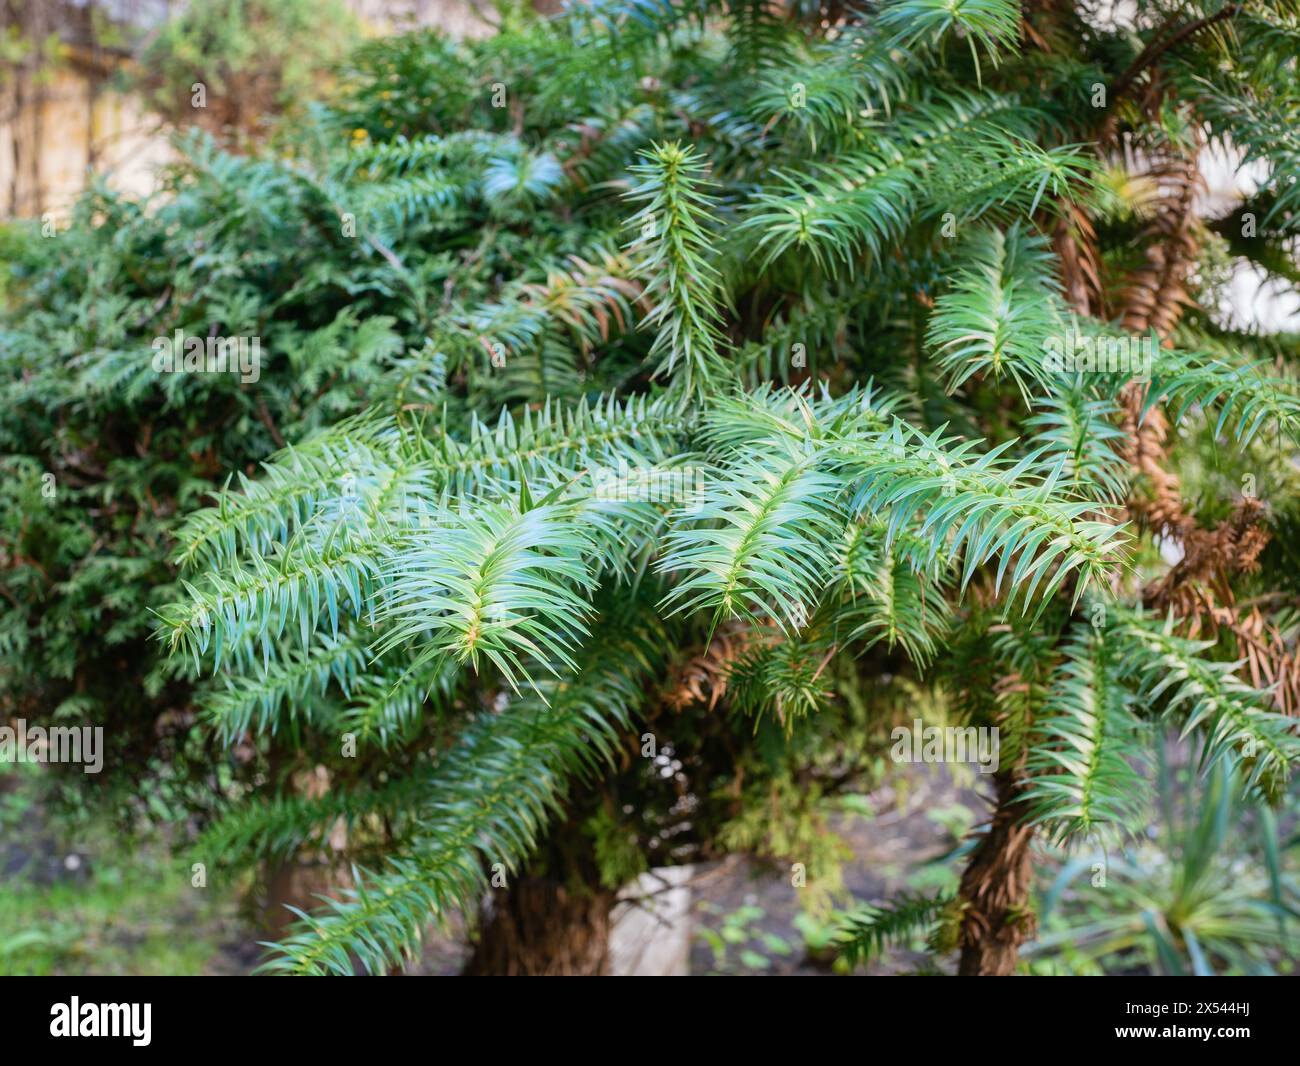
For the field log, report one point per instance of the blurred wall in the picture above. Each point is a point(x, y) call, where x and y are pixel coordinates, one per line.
point(60, 121)
point(72, 124)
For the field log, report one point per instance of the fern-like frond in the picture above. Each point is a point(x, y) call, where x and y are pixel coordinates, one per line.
point(867, 931)
point(681, 282)
point(281, 826)
point(1000, 312)
point(392, 471)
point(1247, 399)
point(246, 608)
point(236, 703)
point(739, 421)
point(1231, 719)
point(1084, 763)
point(759, 542)
point(890, 594)
point(1079, 434)
point(388, 702)
point(994, 24)
point(357, 454)
point(984, 506)
point(495, 581)
point(489, 800)
point(837, 212)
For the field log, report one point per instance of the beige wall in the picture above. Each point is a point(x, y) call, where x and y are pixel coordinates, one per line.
point(64, 130)
point(53, 135)
point(457, 17)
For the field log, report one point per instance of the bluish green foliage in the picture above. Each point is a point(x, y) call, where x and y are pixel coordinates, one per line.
point(540, 443)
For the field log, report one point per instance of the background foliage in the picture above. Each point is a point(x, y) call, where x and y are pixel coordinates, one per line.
point(806, 261)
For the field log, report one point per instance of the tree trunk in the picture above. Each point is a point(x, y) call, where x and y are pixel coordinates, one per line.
point(995, 889)
point(538, 927)
point(300, 881)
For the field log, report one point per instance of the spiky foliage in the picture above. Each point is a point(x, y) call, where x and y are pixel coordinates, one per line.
point(1000, 312)
point(1211, 891)
point(682, 281)
point(1082, 773)
point(868, 931)
point(1210, 700)
point(703, 352)
point(486, 803)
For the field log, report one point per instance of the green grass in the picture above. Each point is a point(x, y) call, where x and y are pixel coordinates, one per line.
point(125, 911)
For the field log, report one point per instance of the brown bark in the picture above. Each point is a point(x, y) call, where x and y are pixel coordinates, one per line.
point(298, 884)
point(1197, 589)
point(997, 916)
point(1157, 293)
point(538, 927)
point(1075, 241)
point(303, 879)
point(1156, 298)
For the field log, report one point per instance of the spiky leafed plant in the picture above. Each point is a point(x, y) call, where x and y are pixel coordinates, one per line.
point(770, 421)
point(1210, 890)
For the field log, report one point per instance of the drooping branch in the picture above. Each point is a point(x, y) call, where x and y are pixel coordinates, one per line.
point(1166, 37)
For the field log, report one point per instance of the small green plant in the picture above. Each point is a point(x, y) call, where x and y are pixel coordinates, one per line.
point(739, 942)
point(1214, 890)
